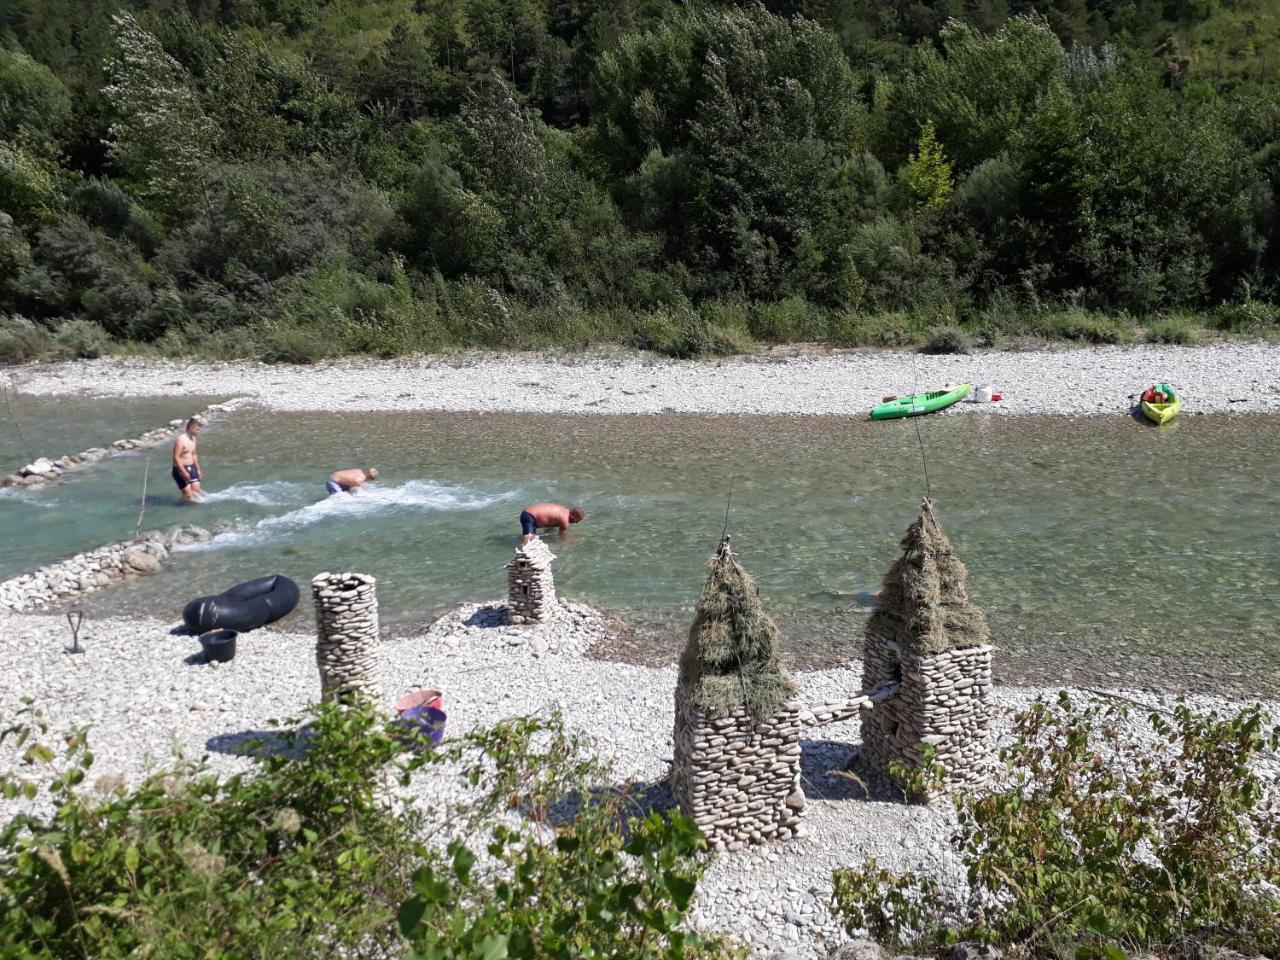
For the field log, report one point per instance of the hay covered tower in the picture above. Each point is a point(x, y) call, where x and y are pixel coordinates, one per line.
point(736, 770)
point(928, 635)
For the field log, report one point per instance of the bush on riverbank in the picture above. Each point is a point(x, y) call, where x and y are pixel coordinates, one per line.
point(717, 329)
point(305, 856)
point(1097, 842)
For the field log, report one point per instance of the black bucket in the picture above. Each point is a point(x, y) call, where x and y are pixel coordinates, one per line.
point(218, 645)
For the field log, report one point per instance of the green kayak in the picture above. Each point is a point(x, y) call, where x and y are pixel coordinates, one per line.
point(919, 403)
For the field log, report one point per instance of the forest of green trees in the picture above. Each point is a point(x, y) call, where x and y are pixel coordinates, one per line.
point(294, 179)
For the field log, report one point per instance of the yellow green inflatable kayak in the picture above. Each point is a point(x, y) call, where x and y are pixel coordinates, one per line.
point(918, 403)
point(1160, 403)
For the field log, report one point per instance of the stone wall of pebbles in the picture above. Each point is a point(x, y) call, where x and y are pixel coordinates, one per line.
point(531, 587)
point(943, 702)
point(346, 634)
point(44, 469)
point(736, 777)
point(86, 572)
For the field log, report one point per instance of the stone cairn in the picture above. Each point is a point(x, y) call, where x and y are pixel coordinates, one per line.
point(45, 469)
point(531, 588)
point(86, 572)
point(346, 635)
point(932, 640)
point(736, 771)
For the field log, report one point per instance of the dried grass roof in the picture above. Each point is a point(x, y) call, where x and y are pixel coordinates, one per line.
point(923, 605)
point(731, 658)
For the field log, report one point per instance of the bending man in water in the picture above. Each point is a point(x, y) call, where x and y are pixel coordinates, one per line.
point(547, 515)
point(344, 481)
point(186, 462)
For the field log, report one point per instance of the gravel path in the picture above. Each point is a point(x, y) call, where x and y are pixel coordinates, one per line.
point(146, 695)
point(1061, 380)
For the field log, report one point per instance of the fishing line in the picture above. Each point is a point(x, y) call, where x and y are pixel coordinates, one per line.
point(146, 470)
point(728, 503)
point(915, 392)
point(924, 461)
point(31, 456)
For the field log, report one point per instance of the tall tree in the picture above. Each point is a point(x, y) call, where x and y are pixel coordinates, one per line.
point(160, 139)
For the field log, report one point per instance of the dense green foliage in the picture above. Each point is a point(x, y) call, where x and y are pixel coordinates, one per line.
point(297, 178)
point(307, 855)
point(1098, 841)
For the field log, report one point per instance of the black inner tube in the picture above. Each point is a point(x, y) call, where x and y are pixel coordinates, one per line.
point(246, 606)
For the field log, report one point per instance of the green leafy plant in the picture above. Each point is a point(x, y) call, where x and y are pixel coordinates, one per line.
point(1099, 841)
point(927, 175)
point(896, 909)
point(1107, 839)
point(310, 853)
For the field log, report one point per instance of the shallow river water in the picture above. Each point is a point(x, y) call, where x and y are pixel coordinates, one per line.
point(1103, 550)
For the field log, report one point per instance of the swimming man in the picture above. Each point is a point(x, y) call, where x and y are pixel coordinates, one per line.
point(186, 462)
point(344, 481)
point(547, 515)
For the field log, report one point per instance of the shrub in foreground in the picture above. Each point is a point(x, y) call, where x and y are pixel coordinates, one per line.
point(1098, 841)
point(307, 855)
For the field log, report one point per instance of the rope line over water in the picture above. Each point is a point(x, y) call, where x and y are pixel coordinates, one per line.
point(31, 457)
point(915, 392)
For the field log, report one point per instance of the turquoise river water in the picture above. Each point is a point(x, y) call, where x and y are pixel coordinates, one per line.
point(1102, 549)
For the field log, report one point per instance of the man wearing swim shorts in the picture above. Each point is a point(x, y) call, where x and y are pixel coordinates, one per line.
point(186, 462)
point(547, 515)
point(344, 481)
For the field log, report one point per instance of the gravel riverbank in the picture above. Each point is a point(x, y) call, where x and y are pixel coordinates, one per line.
point(1236, 376)
point(146, 694)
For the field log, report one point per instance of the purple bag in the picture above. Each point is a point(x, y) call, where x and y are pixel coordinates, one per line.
point(427, 720)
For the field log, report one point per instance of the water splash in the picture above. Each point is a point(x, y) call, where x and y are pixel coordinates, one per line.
point(19, 495)
point(424, 496)
point(273, 493)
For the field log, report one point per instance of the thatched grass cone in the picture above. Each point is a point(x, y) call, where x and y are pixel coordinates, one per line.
point(731, 658)
point(923, 606)
point(931, 640)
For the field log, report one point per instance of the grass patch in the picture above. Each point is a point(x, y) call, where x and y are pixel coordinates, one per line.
point(1177, 329)
point(389, 321)
point(947, 339)
point(1083, 326)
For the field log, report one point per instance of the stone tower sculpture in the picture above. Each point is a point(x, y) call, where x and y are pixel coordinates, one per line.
point(531, 587)
point(736, 770)
point(928, 635)
point(347, 634)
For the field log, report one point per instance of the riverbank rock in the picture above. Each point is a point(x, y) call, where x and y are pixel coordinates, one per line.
point(44, 468)
point(86, 572)
point(141, 561)
point(38, 467)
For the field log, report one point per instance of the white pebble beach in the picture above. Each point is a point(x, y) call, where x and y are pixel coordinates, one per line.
point(146, 692)
point(1234, 376)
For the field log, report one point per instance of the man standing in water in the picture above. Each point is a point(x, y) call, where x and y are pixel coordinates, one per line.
point(186, 462)
point(344, 481)
point(547, 515)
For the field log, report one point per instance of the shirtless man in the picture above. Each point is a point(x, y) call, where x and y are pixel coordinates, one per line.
point(547, 515)
point(344, 481)
point(186, 462)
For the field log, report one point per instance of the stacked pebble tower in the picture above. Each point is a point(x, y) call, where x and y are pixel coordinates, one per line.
point(347, 634)
point(942, 702)
point(736, 777)
point(531, 588)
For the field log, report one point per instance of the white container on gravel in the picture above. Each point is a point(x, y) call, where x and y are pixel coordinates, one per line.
point(983, 394)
